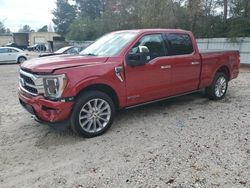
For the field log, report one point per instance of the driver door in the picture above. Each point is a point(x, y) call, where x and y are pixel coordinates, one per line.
point(152, 80)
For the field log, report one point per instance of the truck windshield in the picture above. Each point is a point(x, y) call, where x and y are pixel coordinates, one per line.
point(109, 45)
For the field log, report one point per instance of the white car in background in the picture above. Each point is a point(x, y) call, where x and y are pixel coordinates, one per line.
point(12, 55)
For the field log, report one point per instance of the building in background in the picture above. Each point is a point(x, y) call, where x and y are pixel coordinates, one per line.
point(5, 38)
point(41, 37)
point(47, 38)
point(23, 40)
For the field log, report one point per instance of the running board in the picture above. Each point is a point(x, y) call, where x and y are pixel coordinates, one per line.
point(157, 100)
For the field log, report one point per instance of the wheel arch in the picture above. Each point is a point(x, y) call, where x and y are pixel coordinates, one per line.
point(224, 69)
point(20, 56)
point(103, 88)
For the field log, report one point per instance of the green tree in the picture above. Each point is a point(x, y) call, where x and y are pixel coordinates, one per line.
point(26, 29)
point(123, 14)
point(64, 15)
point(83, 29)
point(90, 9)
point(88, 19)
point(241, 8)
point(8, 30)
point(43, 29)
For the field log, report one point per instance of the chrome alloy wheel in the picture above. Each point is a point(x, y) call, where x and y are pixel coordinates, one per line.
point(220, 86)
point(95, 115)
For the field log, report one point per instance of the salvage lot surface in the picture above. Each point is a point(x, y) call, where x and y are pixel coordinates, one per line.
point(188, 141)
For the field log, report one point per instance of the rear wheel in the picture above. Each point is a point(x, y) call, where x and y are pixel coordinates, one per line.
point(93, 114)
point(218, 89)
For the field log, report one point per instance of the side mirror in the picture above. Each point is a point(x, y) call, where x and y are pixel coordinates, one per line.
point(139, 58)
point(143, 49)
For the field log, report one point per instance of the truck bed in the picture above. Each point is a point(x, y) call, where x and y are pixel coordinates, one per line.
point(213, 60)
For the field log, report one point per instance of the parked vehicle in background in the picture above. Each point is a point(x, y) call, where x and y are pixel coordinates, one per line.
point(12, 44)
point(37, 47)
point(12, 55)
point(64, 50)
point(85, 45)
point(120, 70)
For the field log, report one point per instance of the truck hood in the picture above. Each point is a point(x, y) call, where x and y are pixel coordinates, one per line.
point(49, 64)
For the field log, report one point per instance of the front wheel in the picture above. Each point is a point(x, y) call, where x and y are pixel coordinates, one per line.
point(218, 89)
point(92, 114)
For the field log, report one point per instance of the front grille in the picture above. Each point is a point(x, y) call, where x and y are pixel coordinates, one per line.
point(27, 83)
point(31, 89)
point(27, 79)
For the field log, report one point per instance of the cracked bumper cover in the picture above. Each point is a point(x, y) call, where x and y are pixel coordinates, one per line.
point(46, 111)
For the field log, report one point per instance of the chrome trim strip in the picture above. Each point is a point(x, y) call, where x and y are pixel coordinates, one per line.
point(32, 76)
point(26, 91)
point(30, 85)
point(38, 83)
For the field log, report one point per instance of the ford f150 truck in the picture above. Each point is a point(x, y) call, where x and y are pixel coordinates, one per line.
point(120, 70)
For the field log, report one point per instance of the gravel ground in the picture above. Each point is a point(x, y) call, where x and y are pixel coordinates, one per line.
point(184, 142)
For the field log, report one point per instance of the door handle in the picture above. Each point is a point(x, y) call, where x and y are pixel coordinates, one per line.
point(195, 63)
point(166, 67)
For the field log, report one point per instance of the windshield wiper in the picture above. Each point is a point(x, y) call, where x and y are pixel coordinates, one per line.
point(90, 54)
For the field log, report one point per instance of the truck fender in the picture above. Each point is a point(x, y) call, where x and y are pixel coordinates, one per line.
point(97, 81)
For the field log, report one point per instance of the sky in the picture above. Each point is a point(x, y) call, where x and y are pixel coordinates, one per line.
point(35, 13)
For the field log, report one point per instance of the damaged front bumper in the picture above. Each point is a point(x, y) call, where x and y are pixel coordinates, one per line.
point(44, 110)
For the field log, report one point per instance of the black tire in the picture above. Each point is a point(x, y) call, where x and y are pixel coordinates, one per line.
point(21, 59)
point(81, 103)
point(211, 90)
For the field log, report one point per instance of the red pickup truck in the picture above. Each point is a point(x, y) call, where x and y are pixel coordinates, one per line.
point(120, 70)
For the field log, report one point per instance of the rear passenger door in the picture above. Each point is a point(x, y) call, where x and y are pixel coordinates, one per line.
point(184, 61)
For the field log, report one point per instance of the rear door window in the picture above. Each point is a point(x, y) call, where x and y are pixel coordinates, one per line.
point(179, 44)
point(13, 51)
point(4, 50)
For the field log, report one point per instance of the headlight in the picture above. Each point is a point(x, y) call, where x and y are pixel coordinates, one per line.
point(54, 85)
